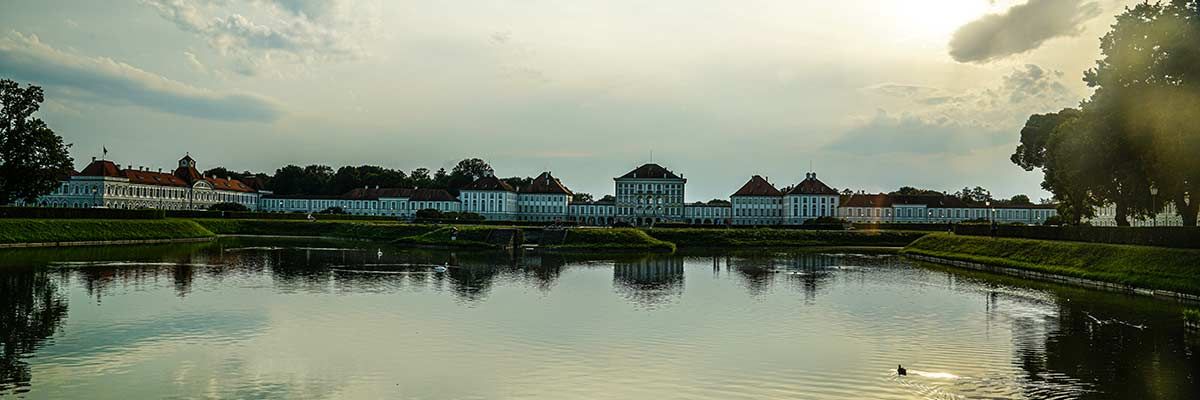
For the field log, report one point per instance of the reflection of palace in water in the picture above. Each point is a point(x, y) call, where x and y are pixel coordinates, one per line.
point(649, 281)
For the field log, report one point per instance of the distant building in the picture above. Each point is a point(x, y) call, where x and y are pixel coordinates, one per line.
point(490, 197)
point(544, 200)
point(757, 202)
point(649, 194)
point(601, 212)
point(810, 199)
point(105, 184)
point(1107, 216)
point(714, 212)
point(392, 202)
point(885, 208)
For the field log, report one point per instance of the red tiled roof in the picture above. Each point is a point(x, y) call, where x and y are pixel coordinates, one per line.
point(757, 186)
point(188, 174)
point(867, 201)
point(489, 183)
point(376, 193)
point(546, 183)
point(650, 171)
point(101, 168)
point(930, 201)
point(812, 185)
point(431, 195)
point(153, 178)
point(232, 185)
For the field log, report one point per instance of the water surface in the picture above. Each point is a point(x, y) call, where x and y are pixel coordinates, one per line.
point(252, 318)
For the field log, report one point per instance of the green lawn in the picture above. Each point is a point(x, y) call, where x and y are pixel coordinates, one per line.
point(467, 236)
point(80, 230)
point(1141, 266)
point(771, 237)
point(615, 239)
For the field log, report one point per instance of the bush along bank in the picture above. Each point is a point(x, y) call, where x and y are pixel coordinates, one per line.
point(609, 240)
point(770, 237)
point(1141, 267)
point(461, 236)
point(338, 229)
point(97, 230)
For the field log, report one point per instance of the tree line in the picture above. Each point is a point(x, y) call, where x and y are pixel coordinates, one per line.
point(1135, 143)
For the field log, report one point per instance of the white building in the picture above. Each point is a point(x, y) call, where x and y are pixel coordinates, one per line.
point(757, 202)
point(1107, 216)
point(648, 195)
point(935, 209)
point(544, 200)
point(490, 197)
point(104, 184)
point(714, 212)
point(601, 212)
point(390, 202)
point(810, 199)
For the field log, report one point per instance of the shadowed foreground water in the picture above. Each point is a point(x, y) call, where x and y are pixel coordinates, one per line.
point(248, 318)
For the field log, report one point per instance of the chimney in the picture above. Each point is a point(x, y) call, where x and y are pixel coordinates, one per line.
point(160, 170)
point(93, 158)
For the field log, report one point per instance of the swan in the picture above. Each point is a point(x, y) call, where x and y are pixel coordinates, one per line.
point(441, 268)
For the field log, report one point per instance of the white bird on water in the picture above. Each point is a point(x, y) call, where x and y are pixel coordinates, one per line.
point(378, 253)
point(441, 268)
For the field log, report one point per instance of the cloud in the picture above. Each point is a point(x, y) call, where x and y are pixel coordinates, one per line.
point(1033, 82)
point(295, 37)
point(101, 79)
point(909, 133)
point(1022, 28)
point(938, 120)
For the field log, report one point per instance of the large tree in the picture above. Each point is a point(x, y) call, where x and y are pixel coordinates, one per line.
point(33, 159)
point(1138, 132)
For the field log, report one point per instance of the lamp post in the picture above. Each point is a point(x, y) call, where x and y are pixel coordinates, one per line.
point(1154, 204)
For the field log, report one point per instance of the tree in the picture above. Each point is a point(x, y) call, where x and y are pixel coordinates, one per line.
point(580, 197)
point(473, 168)
point(1020, 200)
point(420, 178)
point(518, 182)
point(912, 191)
point(33, 159)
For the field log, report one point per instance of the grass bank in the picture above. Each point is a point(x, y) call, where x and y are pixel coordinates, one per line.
point(608, 240)
point(769, 237)
point(339, 229)
point(86, 230)
point(466, 236)
point(1141, 266)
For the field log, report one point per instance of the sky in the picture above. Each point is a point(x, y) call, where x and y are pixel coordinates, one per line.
point(873, 95)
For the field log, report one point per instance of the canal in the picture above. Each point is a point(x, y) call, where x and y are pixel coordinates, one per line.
point(276, 318)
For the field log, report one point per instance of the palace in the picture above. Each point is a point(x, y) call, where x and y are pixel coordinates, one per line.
point(105, 184)
point(648, 195)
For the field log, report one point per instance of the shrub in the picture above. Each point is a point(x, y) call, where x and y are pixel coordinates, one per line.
point(428, 214)
point(228, 207)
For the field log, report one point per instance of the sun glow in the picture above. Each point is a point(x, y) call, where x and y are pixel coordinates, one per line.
point(936, 20)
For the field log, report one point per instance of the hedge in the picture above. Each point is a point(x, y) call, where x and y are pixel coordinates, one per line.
point(1169, 236)
point(78, 213)
point(77, 230)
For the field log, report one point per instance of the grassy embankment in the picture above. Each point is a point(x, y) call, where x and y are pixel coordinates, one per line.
point(607, 240)
point(468, 236)
point(86, 230)
point(769, 237)
point(1141, 266)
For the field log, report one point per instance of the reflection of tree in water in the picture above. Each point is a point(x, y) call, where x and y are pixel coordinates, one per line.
point(31, 310)
point(1117, 360)
point(651, 281)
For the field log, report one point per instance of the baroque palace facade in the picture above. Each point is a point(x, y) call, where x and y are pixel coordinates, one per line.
point(648, 195)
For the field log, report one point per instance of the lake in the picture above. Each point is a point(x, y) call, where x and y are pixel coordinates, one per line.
point(276, 318)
